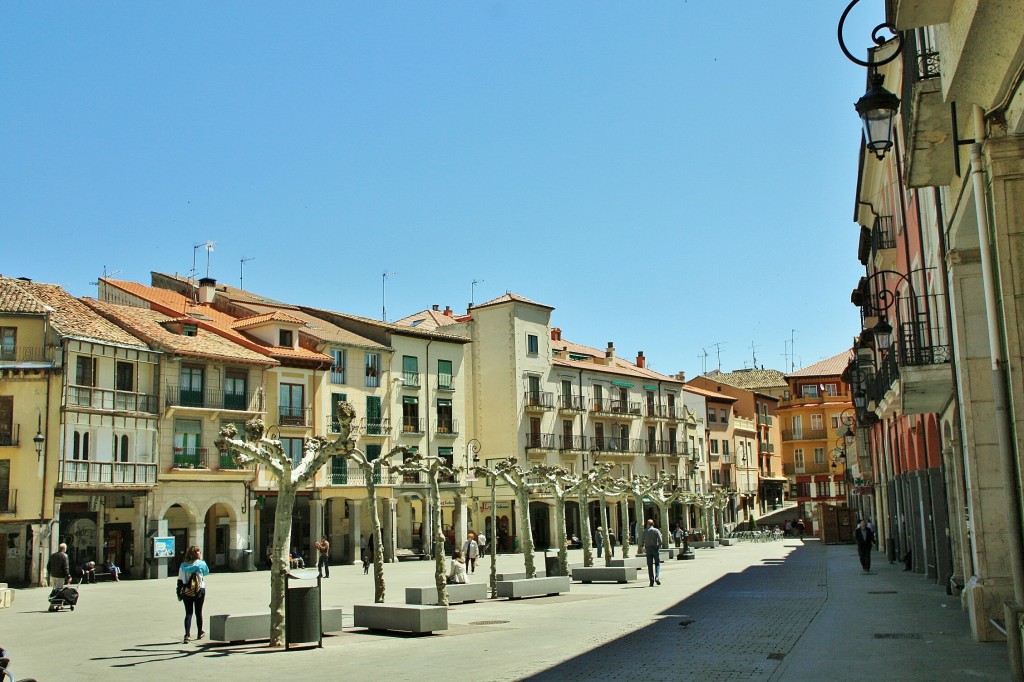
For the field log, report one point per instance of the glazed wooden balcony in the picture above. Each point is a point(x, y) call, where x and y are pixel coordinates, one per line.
point(86, 473)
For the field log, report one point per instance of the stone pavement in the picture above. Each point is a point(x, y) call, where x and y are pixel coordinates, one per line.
point(761, 611)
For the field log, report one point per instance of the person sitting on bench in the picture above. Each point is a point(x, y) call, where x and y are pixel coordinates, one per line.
point(296, 558)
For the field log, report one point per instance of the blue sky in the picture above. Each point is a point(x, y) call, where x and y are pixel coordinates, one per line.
point(668, 175)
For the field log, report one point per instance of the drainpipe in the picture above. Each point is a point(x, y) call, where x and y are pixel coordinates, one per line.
point(43, 553)
point(1004, 434)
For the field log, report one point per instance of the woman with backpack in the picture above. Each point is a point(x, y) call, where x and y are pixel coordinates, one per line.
point(192, 589)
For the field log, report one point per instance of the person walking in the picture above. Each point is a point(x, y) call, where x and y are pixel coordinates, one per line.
point(611, 544)
point(599, 540)
point(368, 554)
point(865, 543)
point(481, 541)
point(323, 548)
point(652, 545)
point(192, 590)
point(471, 550)
point(59, 566)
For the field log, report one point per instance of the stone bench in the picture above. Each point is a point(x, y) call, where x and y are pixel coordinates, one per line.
point(632, 562)
point(727, 542)
point(533, 587)
point(240, 627)
point(705, 544)
point(518, 576)
point(6, 596)
point(615, 574)
point(466, 592)
point(415, 618)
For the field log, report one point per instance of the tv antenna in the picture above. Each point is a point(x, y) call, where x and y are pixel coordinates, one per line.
point(718, 352)
point(105, 275)
point(703, 356)
point(384, 294)
point(472, 291)
point(242, 263)
point(208, 245)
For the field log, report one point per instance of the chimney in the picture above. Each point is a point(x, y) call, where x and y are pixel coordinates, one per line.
point(609, 354)
point(681, 376)
point(207, 290)
point(435, 307)
point(641, 361)
point(556, 334)
point(448, 311)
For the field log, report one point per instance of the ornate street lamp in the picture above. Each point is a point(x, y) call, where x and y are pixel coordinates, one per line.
point(39, 439)
point(877, 107)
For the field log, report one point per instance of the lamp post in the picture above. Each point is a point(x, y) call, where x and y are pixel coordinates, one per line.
point(841, 447)
point(877, 107)
point(38, 440)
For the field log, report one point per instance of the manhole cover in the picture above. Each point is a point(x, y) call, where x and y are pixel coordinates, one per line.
point(776, 656)
point(488, 622)
point(897, 635)
point(882, 592)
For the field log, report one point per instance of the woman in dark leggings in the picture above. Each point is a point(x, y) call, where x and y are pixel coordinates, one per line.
point(192, 589)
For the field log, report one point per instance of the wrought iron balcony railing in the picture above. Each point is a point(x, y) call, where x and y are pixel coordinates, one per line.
point(190, 458)
point(175, 396)
point(294, 416)
point(411, 379)
point(572, 442)
point(540, 441)
point(10, 435)
point(412, 426)
point(8, 501)
point(572, 403)
point(446, 427)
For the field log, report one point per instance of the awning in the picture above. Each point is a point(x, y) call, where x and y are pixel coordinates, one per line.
point(650, 388)
point(624, 384)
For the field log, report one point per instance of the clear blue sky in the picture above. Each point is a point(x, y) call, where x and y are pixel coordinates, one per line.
point(667, 175)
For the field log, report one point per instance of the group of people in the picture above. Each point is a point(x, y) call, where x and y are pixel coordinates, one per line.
point(794, 528)
point(599, 542)
point(59, 568)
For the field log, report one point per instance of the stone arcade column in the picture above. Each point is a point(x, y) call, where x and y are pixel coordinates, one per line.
point(316, 528)
point(389, 521)
point(459, 513)
point(137, 568)
point(355, 531)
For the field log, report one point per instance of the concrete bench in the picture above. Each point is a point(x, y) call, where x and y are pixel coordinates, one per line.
point(518, 576)
point(240, 627)
point(456, 593)
point(632, 562)
point(705, 544)
point(615, 574)
point(6, 597)
point(727, 542)
point(415, 618)
point(412, 557)
point(533, 587)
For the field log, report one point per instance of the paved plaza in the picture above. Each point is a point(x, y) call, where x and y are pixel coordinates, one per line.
point(761, 611)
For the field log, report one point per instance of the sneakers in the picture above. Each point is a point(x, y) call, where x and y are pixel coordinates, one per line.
point(201, 634)
point(186, 640)
point(657, 581)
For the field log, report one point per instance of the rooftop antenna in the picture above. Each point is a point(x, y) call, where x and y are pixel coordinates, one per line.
point(472, 291)
point(208, 245)
point(703, 355)
point(241, 263)
point(718, 352)
point(792, 349)
point(384, 294)
point(753, 353)
point(105, 275)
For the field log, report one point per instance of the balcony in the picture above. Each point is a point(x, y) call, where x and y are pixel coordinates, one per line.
point(804, 434)
point(675, 412)
point(764, 419)
point(190, 458)
point(916, 13)
point(617, 444)
point(540, 441)
point(571, 403)
point(446, 428)
point(110, 400)
point(295, 416)
point(445, 382)
point(663, 448)
point(766, 448)
point(25, 354)
point(625, 407)
point(337, 376)
point(538, 401)
point(572, 443)
point(375, 427)
point(412, 426)
point(76, 472)
point(10, 435)
point(927, 119)
point(175, 396)
point(744, 424)
point(8, 501)
point(410, 379)
point(883, 243)
point(227, 461)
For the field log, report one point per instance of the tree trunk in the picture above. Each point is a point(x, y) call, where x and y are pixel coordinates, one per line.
point(605, 541)
point(663, 512)
point(435, 510)
point(279, 559)
point(493, 538)
point(641, 523)
point(378, 536)
point(563, 556)
point(624, 516)
point(588, 541)
point(525, 531)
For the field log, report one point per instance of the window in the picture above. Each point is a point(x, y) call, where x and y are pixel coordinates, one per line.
point(798, 426)
point(714, 446)
point(374, 422)
point(712, 418)
point(445, 381)
point(338, 366)
point(727, 479)
point(598, 398)
point(798, 457)
point(599, 436)
point(410, 370)
point(125, 377)
point(830, 389)
point(372, 454)
point(8, 343)
point(725, 450)
point(336, 400)
point(372, 369)
point(809, 391)
point(532, 344)
point(411, 414)
point(650, 405)
point(716, 477)
point(447, 456)
point(821, 488)
point(725, 415)
point(445, 420)
point(835, 422)
point(85, 371)
point(284, 338)
point(803, 489)
point(533, 440)
point(120, 448)
point(235, 389)
point(293, 448)
point(533, 388)
point(817, 423)
point(819, 455)
point(188, 450)
point(190, 383)
point(566, 432)
point(673, 448)
point(292, 404)
point(339, 470)
point(652, 440)
point(6, 420)
point(567, 402)
point(189, 330)
point(840, 488)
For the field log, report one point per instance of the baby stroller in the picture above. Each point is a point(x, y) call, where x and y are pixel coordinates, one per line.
point(65, 595)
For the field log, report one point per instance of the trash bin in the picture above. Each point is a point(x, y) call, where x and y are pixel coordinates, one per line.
point(302, 617)
point(551, 564)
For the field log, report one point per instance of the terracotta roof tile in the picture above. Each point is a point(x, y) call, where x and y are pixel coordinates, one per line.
point(257, 320)
point(593, 362)
point(750, 379)
point(321, 329)
point(720, 397)
point(15, 299)
point(72, 317)
point(509, 297)
point(430, 319)
point(828, 367)
point(150, 325)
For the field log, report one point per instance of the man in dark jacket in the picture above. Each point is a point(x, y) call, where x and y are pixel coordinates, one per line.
point(652, 546)
point(865, 543)
point(59, 567)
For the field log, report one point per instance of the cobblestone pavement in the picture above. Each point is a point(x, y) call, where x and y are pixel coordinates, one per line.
point(771, 611)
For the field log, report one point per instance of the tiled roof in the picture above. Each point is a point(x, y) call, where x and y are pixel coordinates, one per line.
point(828, 367)
point(321, 329)
point(388, 326)
point(430, 319)
point(15, 299)
point(750, 379)
point(149, 325)
point(594, 363)
point(257, 320)
point(233, 293)
point(176, 305)
point(713, 395)
point(509, 297)
point(72, 317)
